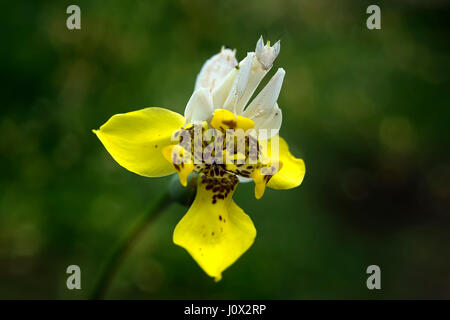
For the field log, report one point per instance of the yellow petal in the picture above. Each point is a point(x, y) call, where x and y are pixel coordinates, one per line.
point(181, 161)
point(215, 231)
point(224, 119)
point(260, 183)
point(261, 176)
point(136, 139)
point(292, 170)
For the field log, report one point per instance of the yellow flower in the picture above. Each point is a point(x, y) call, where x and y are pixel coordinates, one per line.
point(155, 142)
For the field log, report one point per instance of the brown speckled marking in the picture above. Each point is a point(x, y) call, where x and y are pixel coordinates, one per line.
point(217, 177)
point(220, 186)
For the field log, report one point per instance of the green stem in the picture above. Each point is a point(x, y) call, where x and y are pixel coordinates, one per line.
point(124, 246)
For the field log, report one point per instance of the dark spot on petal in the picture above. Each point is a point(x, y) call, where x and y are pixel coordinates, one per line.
point(230, 123)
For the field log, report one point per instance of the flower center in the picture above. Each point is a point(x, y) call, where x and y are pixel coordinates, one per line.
point(219, 151)
point(226, 145)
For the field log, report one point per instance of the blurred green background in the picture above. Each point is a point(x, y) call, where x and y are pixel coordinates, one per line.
point(366, 110)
